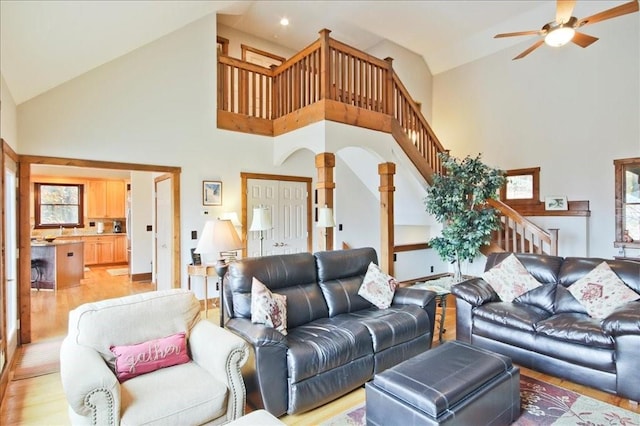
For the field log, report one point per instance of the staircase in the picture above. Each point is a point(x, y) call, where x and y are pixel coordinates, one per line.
point(329, 80)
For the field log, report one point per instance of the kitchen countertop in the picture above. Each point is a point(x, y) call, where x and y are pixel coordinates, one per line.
point(56, 242)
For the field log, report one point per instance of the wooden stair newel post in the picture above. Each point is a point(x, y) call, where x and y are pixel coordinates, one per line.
point(386, 172)
point(325, 65)
point(325, 163)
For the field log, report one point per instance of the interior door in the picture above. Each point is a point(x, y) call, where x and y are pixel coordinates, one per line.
point(287, 202)
point(164, 233)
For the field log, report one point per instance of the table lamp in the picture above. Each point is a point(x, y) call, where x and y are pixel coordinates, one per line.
point(261, 222)
point(325, 220)
point(219, 238)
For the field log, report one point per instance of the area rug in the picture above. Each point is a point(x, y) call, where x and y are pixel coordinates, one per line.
point(119, 271)
point(38, 359)
point(542, 404)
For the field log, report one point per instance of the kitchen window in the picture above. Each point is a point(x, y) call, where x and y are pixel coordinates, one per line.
point(58, 205)
point(627, 210)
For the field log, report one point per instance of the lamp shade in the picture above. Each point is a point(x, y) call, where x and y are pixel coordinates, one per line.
point(261, 219)
point(218, 236)
point(233, 217)
point(325, 217)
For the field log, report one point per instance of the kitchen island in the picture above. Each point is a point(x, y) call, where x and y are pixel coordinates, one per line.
point(60, 264)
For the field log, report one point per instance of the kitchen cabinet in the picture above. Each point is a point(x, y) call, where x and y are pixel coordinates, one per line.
point(106, 199)
point(105, 249)
point(61, 264)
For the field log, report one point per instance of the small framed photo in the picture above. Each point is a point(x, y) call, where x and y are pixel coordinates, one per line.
point(211, 193)
point(556, 202)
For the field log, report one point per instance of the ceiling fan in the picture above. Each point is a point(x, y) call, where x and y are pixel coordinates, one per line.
point(563, 29)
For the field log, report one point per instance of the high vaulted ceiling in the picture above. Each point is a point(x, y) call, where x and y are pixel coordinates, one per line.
point(45, 43)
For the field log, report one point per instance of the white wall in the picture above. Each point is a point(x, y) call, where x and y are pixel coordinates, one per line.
point(8, 116)
point(571, 111)
point(155, 105)
point(142, 214)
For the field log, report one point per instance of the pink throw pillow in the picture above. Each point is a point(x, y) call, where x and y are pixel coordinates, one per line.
point(268, 308)
point(510, 279)
point(134, 360)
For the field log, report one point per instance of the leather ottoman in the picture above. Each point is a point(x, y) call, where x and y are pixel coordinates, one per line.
point(455, 383)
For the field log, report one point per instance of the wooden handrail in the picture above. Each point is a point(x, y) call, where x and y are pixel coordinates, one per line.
point(519, 234)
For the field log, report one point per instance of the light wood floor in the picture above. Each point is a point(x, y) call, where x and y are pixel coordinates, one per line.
point(41, 401)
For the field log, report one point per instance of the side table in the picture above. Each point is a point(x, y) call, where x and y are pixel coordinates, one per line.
point(204, 271)
point(441, 300)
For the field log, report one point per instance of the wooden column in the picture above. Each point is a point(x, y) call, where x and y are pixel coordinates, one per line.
point(325, 163)
point(325, 64)
point(386, 172)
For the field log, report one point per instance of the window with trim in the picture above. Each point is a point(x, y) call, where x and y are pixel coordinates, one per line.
point(522, 186)
point(627, 188)
point(58, 204)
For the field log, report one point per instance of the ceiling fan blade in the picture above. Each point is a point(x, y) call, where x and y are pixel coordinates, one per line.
point(564, 9)
point(583, 40)
point(614, 12)
point(529, 50)
point(521, 33)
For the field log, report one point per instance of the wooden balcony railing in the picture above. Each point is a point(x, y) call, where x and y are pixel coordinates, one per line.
point(348, 85)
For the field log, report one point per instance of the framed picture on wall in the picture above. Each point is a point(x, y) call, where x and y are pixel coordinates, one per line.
point(211, 193)
point(556, 202)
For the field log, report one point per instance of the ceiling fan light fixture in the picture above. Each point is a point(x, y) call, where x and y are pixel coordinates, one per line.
point(559, 36)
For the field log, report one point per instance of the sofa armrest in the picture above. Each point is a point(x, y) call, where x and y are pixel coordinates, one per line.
point(412, 296)
point(91, 388)
point(268, 374)
point(624, 320)
point(475, 291)
point(222, 354)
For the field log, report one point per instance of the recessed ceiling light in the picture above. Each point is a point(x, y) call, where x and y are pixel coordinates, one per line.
point(284, 22)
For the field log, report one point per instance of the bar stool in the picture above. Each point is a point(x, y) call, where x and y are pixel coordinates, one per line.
point(37, 265)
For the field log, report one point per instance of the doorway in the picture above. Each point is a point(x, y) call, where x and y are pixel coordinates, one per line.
point(26, 162)
point(287, 198)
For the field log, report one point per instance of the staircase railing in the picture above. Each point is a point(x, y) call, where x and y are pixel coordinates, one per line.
point(348, 84)
point(518, 234)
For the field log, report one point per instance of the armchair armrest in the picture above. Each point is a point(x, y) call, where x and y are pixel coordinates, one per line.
point(475, 291)
point(222, 354)
point(91, 388)
point(624, 320)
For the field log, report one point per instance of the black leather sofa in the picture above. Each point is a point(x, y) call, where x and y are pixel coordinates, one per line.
point(548, 330)
point(336, 340)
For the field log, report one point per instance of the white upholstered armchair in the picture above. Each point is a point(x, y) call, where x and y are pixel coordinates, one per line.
point(208, 388)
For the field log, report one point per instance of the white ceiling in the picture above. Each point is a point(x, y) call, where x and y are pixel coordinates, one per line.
point(45, 43)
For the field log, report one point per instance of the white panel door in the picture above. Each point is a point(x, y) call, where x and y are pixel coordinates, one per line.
point(164, 234)
point(287, 203)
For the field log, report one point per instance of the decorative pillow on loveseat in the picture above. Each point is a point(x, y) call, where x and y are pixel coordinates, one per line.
point(377, 287)
point(268, 308)
point(510, 279)
point(601, 291)
point(142, 358)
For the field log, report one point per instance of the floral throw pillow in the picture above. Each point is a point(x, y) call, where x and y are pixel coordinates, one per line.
point(377, 287)
point(268, 308)
point(601, 291)
point(510, 279)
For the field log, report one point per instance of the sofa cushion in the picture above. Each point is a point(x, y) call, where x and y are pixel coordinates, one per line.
point(577, 328)
point(510, 279)
point(546, 269)
point(392, 326)
point(194, 397)
point(340, 275)
point(134, 360)
point(574, 268)
point(522, 317)
point(601, 291)
point(566, 303)
point(378, 287)
point(543, 297)
point(325, 344)
point(292, 275)
point(268, 308)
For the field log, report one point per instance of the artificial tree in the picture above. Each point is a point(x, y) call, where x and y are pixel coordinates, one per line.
point(457, 199)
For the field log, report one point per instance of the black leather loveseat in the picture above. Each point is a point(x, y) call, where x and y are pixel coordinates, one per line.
point(548, 330)
point(336, 340)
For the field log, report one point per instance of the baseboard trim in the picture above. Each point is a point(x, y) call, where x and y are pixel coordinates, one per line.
point(141, 277)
